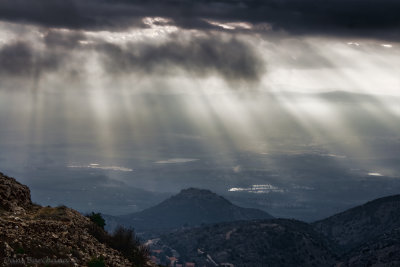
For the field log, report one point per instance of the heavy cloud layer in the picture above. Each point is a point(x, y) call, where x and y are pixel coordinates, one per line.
point(371, 18)
point(20, 59)
point(230, 58)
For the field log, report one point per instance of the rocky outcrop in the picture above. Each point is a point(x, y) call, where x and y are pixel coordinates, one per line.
point(46, 236)
point(52, 234)
point(13, 195)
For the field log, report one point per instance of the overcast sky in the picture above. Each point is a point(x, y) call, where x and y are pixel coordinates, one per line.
point(300, 45)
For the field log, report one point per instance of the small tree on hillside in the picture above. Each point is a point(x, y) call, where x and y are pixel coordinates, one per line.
point(97, 219)
point(126, 241)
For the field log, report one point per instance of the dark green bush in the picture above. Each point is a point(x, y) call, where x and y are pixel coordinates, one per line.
point(97, 219)
point(99, 233)
point(96, 262)
point(125, 241)
point(20, 250)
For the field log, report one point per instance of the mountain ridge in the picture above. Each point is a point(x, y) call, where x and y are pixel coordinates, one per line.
point(191, 207)
point(366, 235)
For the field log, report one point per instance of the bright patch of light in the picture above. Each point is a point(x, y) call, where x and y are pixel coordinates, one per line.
point(231, 25)
point(334, 65)
point(334, 156)
point(175, 160)
point(258, 189)
point(157, 27)
point(84, 42)
point(374, 174)
point(97, 166)
point(152, 21)
point(353, 43)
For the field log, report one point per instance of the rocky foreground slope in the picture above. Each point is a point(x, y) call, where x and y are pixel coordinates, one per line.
point(46, 236)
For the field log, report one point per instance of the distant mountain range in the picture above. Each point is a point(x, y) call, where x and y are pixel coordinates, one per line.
point(205, 229)
point(208, 230)
point(191, 207)
point(367, 235)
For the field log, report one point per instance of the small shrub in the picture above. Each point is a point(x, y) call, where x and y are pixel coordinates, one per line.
point(99, 233)
point(97, 219)
point(96, 262)
point(125, 241)
point(20, 250)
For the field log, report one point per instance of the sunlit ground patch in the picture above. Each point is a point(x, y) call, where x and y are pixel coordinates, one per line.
point(175, 160)
point(375, 174)
point(258, 189)
point(98, 166)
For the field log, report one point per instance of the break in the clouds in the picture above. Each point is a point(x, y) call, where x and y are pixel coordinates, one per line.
point(333, 17)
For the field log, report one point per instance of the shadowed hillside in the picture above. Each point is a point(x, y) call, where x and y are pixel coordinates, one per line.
point(191, 207)
point(367, 235)
point(276, 242)
point(358, 225)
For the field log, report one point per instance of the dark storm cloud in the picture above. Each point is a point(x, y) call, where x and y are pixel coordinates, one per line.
point(338, 17)
point(16, 59)
point(72, 14)
point(20, 59)
point(232, 59)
